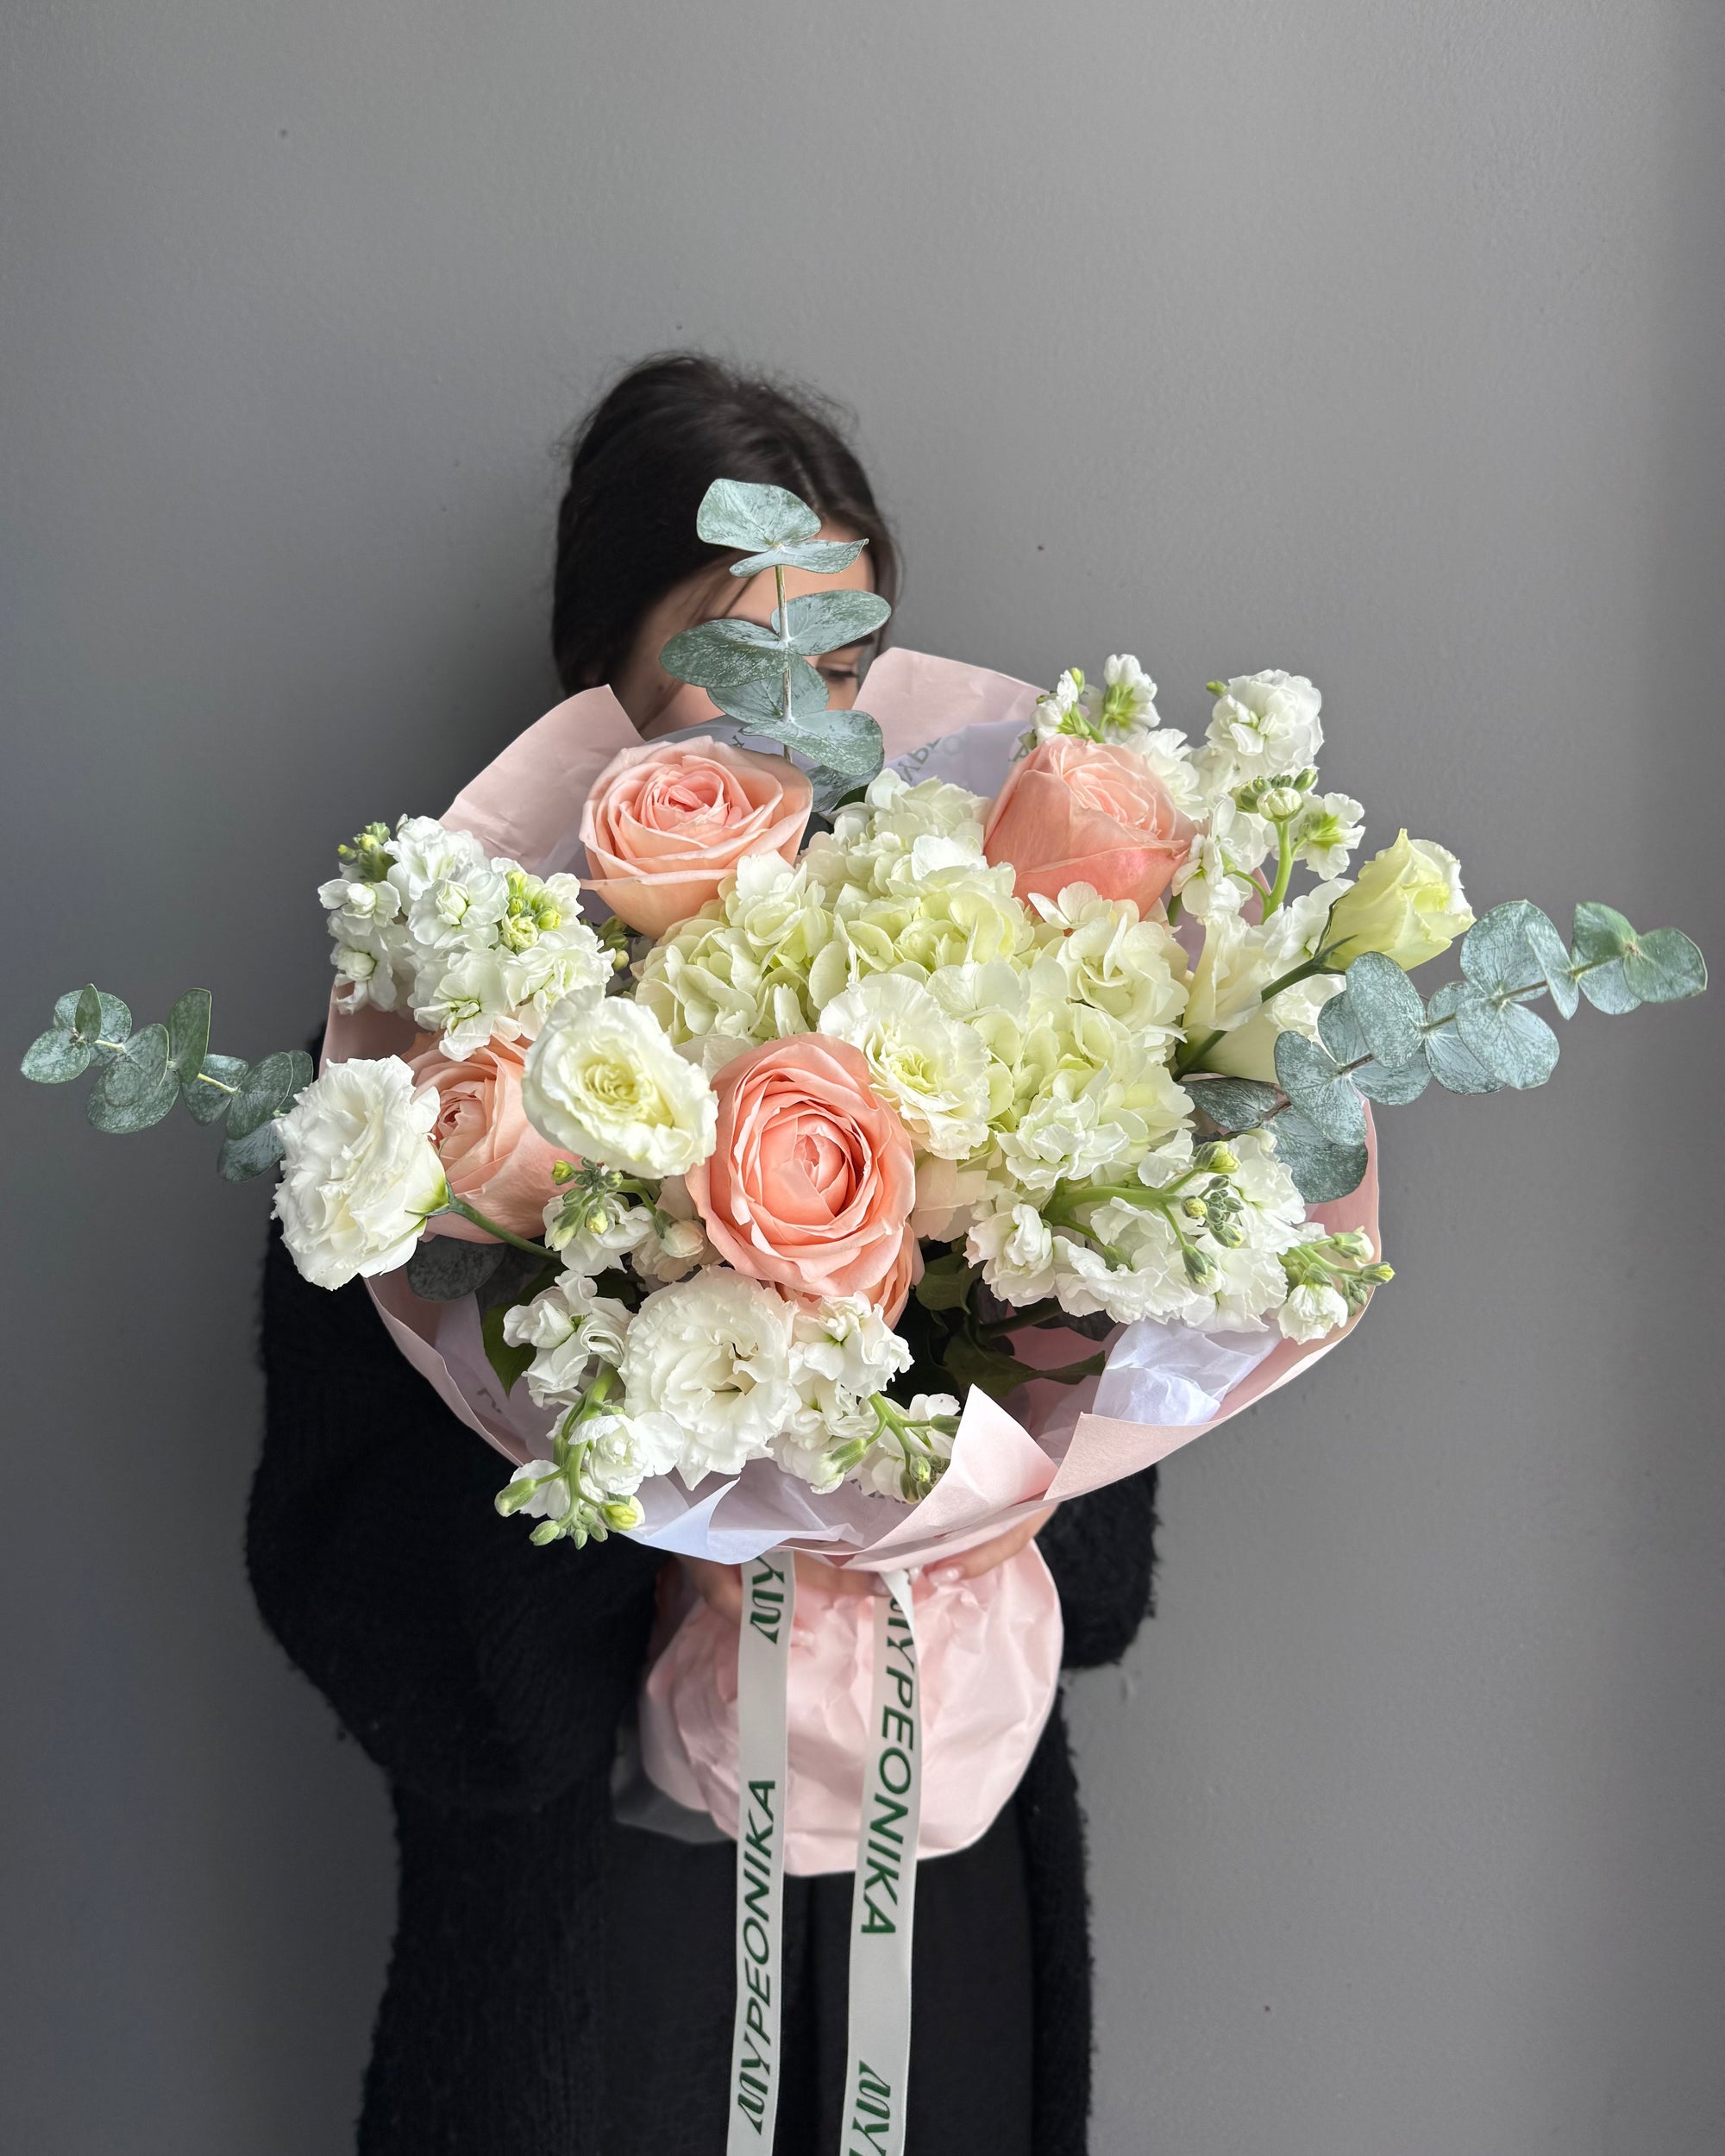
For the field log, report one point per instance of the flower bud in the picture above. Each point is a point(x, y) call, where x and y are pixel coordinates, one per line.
point(1280, 803)
point(1408, 904)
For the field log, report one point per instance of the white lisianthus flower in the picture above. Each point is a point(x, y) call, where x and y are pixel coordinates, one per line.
point(1326, 832)
point(360, 1175)
point(707, 1366)
point(1015, 1249)
point(932, 1070)
point(602, 1080)
point(1311, 1312)
point(1263, 725)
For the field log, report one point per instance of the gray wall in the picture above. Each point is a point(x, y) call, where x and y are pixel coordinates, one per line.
point(1378, 343)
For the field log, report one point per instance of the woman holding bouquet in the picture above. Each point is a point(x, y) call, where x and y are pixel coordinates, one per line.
point(560, 1981)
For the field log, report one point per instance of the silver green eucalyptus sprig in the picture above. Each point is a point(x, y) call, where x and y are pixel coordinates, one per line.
point(762, 677)
point(1381, 1041)
point(140, 1075)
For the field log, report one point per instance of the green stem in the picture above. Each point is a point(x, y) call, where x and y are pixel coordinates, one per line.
point(204, 1079)
point(1284, 868)
point(503, 1235)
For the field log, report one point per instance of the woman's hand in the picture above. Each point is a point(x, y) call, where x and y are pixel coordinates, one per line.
point(720, 1586)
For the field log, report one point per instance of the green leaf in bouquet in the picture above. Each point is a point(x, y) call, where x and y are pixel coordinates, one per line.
point(209, 1103)
point(188, 1035)
point(828, 621)
point(739, 513)
point(1316, 1083)
point(1452, 1063)
point(444, 1267)
point(265, 1091)
point(1665, 967)
point(1232, 1103)
point(823, 557)
point(115, 1024)
point(761, 703)
point(946, 1281)
point(847, 745)
point(56, 1056)
point(724, 655)
point(1602, 936)
point(966, 1363)
point(138, 1087)
point(241, 1158)
point(1320, 1168)
point(1388, 1009)
point(1513, 1043)
point(508, 1360)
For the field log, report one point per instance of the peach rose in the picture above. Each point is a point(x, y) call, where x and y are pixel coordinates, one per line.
point(667, 823)
point(812, 1179)
point(1079, 812)
point(492, 1155)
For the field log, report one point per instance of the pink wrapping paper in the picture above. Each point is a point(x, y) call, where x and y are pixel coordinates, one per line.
point(938, 718)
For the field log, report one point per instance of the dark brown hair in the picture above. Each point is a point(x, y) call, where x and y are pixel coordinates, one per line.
point(639, 464)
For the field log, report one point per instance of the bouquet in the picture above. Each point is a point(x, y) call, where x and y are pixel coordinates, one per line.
point(728, 1131)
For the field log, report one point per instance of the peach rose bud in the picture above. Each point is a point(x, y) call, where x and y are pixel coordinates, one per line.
point(667, 823)
point(812, 1179)
point(1080, 811)
point(492, 1155)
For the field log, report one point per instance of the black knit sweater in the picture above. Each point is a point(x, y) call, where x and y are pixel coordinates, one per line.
point(487, 1678)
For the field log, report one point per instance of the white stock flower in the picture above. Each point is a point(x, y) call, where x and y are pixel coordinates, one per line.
point(362, 978)
point(454, 910)
point(883, 1465)
point(465, 1000)
point(1263, 725)
point(359, 1174)
point(550, 1498)
point(842, 1350)
point(932, 1070)
point(602, 1080)
point(1326, 832)
point(1015, 1249)
point(707, 1363)
point(623, 1452)
point(570, 1328)
point(1310, 1311)
point(425, 852)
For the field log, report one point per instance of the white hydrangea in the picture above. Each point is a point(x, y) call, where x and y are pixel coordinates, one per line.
point(933, 1071)
point(708, 1362)
point(1132, 969)
point(1085, 1121)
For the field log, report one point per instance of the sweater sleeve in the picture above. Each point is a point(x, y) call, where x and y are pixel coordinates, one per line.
point(1101, 1550)
point(475, 1668)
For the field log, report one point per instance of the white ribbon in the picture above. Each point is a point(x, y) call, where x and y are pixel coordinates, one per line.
point(883, 1901)
point(763, 1657)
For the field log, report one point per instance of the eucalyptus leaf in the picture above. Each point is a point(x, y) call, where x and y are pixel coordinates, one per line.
point(712, 657)
point(56, 1056)
point(137, 1088)
point(117, 1020)
point(188, 1033)
point(444, 1267)
point(1602, 936)
point(1665, 967)
point(1315, 1082)
point(1341, 1031)
point(86, 1016)
point(209, 1103)
point(1495, 953)
point(1388, 1009)
point(1551, 955)
point(1232, 1103)
point(828, 621)
point(1320, 1168)
point(763, 702)
point(241, 1158)
point(1452, 1063)
point(740, 513)
point(847, 743)
point(822, 557)
point(1511, 1042)
point(265, 1090)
